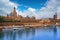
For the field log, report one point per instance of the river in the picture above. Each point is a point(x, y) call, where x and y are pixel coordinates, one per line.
point(46, 33)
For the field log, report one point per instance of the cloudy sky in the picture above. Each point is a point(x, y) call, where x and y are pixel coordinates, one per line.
point(37, 8)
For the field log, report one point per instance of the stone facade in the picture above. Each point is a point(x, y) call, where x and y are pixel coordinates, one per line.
point(14, 16)
point(55, 16)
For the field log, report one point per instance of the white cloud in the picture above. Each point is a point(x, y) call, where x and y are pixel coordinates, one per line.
point(29, 12)
point(6, 6)
point(31, 9)
point(51, 6)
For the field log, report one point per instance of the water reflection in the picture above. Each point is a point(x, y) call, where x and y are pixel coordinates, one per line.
point(14, 35)
point(1, 35)
point(31, 34)
point(8, 35)
point(55, 32)
point(20, 33)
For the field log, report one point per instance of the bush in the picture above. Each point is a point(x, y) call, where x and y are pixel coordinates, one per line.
point(3, 20)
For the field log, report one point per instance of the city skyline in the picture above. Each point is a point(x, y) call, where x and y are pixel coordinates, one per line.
point(36, 8)
point(15, 16)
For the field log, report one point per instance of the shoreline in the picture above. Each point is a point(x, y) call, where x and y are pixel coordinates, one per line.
point(27, 26)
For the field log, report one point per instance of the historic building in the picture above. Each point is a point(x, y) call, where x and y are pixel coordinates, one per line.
point(13, 16)
point(49, 20)
point(55, 16)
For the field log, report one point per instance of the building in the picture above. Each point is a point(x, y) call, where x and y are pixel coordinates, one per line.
point(13, 16)
point(55, 16)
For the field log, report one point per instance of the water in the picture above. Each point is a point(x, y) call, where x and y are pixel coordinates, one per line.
point(31, 34)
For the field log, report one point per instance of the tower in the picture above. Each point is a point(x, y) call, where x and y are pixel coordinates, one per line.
point(55, 16)
point(14, 14)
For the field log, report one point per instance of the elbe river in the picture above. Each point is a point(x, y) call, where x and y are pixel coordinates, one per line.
point(46, 33)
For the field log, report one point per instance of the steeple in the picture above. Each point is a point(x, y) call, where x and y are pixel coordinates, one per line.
point(14, 7)
point(55, 16)
point(14, 12)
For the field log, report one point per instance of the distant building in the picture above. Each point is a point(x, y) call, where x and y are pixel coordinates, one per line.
point(55, 16)
point(45, 21)
point(13, 16)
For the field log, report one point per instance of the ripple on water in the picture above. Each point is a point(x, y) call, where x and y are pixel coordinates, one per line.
point(31, 34)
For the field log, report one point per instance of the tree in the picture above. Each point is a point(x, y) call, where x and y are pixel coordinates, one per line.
point(1, 19)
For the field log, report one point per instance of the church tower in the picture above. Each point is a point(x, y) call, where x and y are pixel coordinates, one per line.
point(55, 16)
point(14, 14)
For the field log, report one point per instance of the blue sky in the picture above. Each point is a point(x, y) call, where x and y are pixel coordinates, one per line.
point(36, 8)
point(37, 4)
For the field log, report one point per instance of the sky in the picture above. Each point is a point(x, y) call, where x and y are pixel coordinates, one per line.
point(36, 8)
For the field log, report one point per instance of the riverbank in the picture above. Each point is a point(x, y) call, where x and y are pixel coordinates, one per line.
point(28, 26)
point(25, 25)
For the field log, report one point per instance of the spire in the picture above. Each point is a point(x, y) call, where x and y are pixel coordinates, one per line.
point(14, 8)
point(55, 16)
point(14, 12)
